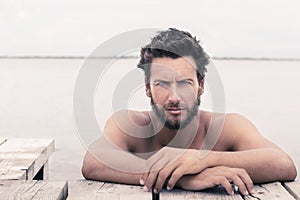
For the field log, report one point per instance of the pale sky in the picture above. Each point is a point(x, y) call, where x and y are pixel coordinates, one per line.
point(235, 28)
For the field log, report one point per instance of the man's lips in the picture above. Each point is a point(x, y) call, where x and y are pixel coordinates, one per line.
point(174, 111)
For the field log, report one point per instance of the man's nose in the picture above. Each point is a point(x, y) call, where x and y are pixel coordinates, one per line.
point(174, 97)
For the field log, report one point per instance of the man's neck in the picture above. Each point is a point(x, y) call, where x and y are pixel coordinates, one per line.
point(181, 138)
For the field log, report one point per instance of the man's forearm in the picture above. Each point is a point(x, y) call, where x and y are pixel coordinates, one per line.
point(106, 162)
point(94, 169)
point(263, 165)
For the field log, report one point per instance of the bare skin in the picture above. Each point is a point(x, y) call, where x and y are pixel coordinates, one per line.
point(149, 153)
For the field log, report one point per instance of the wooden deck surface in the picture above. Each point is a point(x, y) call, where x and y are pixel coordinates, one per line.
point(26, 158)
point(85, 189)
point(293, 188)
point(22, 159)
point(33, 190)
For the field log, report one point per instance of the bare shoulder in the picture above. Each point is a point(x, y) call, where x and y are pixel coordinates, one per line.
point(125, 126)
point(238, 126)
point(239, 133)
point(205, 117)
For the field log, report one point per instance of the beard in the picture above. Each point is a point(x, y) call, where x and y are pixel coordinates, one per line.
point(176, 124)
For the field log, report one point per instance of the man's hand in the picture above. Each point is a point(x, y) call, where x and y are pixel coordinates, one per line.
point(169, 165)
point(215, 176)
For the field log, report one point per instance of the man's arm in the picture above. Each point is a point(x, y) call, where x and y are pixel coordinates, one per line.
point(109, 158)
point(263, 165)
point(104, 165)
point(245, 149)
point(234, 167)
point(263, 160)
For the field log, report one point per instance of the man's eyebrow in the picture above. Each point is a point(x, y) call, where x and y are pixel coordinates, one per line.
point(160, 79)
point(186, 79)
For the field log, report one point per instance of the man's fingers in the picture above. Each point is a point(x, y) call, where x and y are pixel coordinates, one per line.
point(176, 175)
point(147, 169)
point(241, 179)
point(240, 184)
point(161, 179)
point(221, 180)
point(244, 176)
point(246, 179)
point(143, 178)
point(150, 181)
point(172, 172)
point(145, 174)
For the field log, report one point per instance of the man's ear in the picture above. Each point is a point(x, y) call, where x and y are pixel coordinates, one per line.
point(148, 90)
point(201, 88)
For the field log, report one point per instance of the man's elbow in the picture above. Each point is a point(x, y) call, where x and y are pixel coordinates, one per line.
point(86, 171)
point(91, 168)
point(292, 172)
point(289, 170)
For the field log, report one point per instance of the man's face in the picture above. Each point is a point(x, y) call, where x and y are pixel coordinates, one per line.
point(174, 90)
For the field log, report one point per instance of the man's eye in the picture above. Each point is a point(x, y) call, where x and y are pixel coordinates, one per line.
point(184, 83)
point(162, 83)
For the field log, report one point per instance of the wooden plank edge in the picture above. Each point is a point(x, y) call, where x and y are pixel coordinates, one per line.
point(65, 192)
point(41, 188)
point(272, 190)
point(20, 174)
point(290, 190)
point(41, 160)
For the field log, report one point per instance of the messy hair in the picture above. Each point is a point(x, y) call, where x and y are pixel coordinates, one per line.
point(173, 43)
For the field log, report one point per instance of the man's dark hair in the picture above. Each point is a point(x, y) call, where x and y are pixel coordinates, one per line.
point(173, 43)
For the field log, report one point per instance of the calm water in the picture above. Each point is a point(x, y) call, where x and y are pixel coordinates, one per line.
point(36, 100)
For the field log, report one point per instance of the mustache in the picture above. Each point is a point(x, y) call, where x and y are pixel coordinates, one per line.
point(174, 106)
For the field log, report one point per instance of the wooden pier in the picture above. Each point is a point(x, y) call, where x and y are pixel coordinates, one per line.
point(25, 159)
point(33, 190)
point(84, 189)
point(24, 175)
point(24, 170)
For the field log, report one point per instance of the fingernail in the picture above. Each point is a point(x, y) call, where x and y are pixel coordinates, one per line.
point(168, 188)
point(142, 182)
point(145, 188)
point(246, 193)
point(155, 191)
point(232, 192)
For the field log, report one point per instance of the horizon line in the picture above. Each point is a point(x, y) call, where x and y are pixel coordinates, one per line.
point(130, 57)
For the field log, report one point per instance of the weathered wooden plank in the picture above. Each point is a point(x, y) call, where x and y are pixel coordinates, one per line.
point(181, 194)
point(84, 189)
point(12, 167)
point(24, 154)
point(293, 188)
point(52, 191)
point(11, 174)
point(214, 193)
point(46, 171)
point(43, 173)
point(270, 191)
point(25, 144)
point(18, 189)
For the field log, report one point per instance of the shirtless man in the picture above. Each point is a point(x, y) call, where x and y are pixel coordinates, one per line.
point(176, 144)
